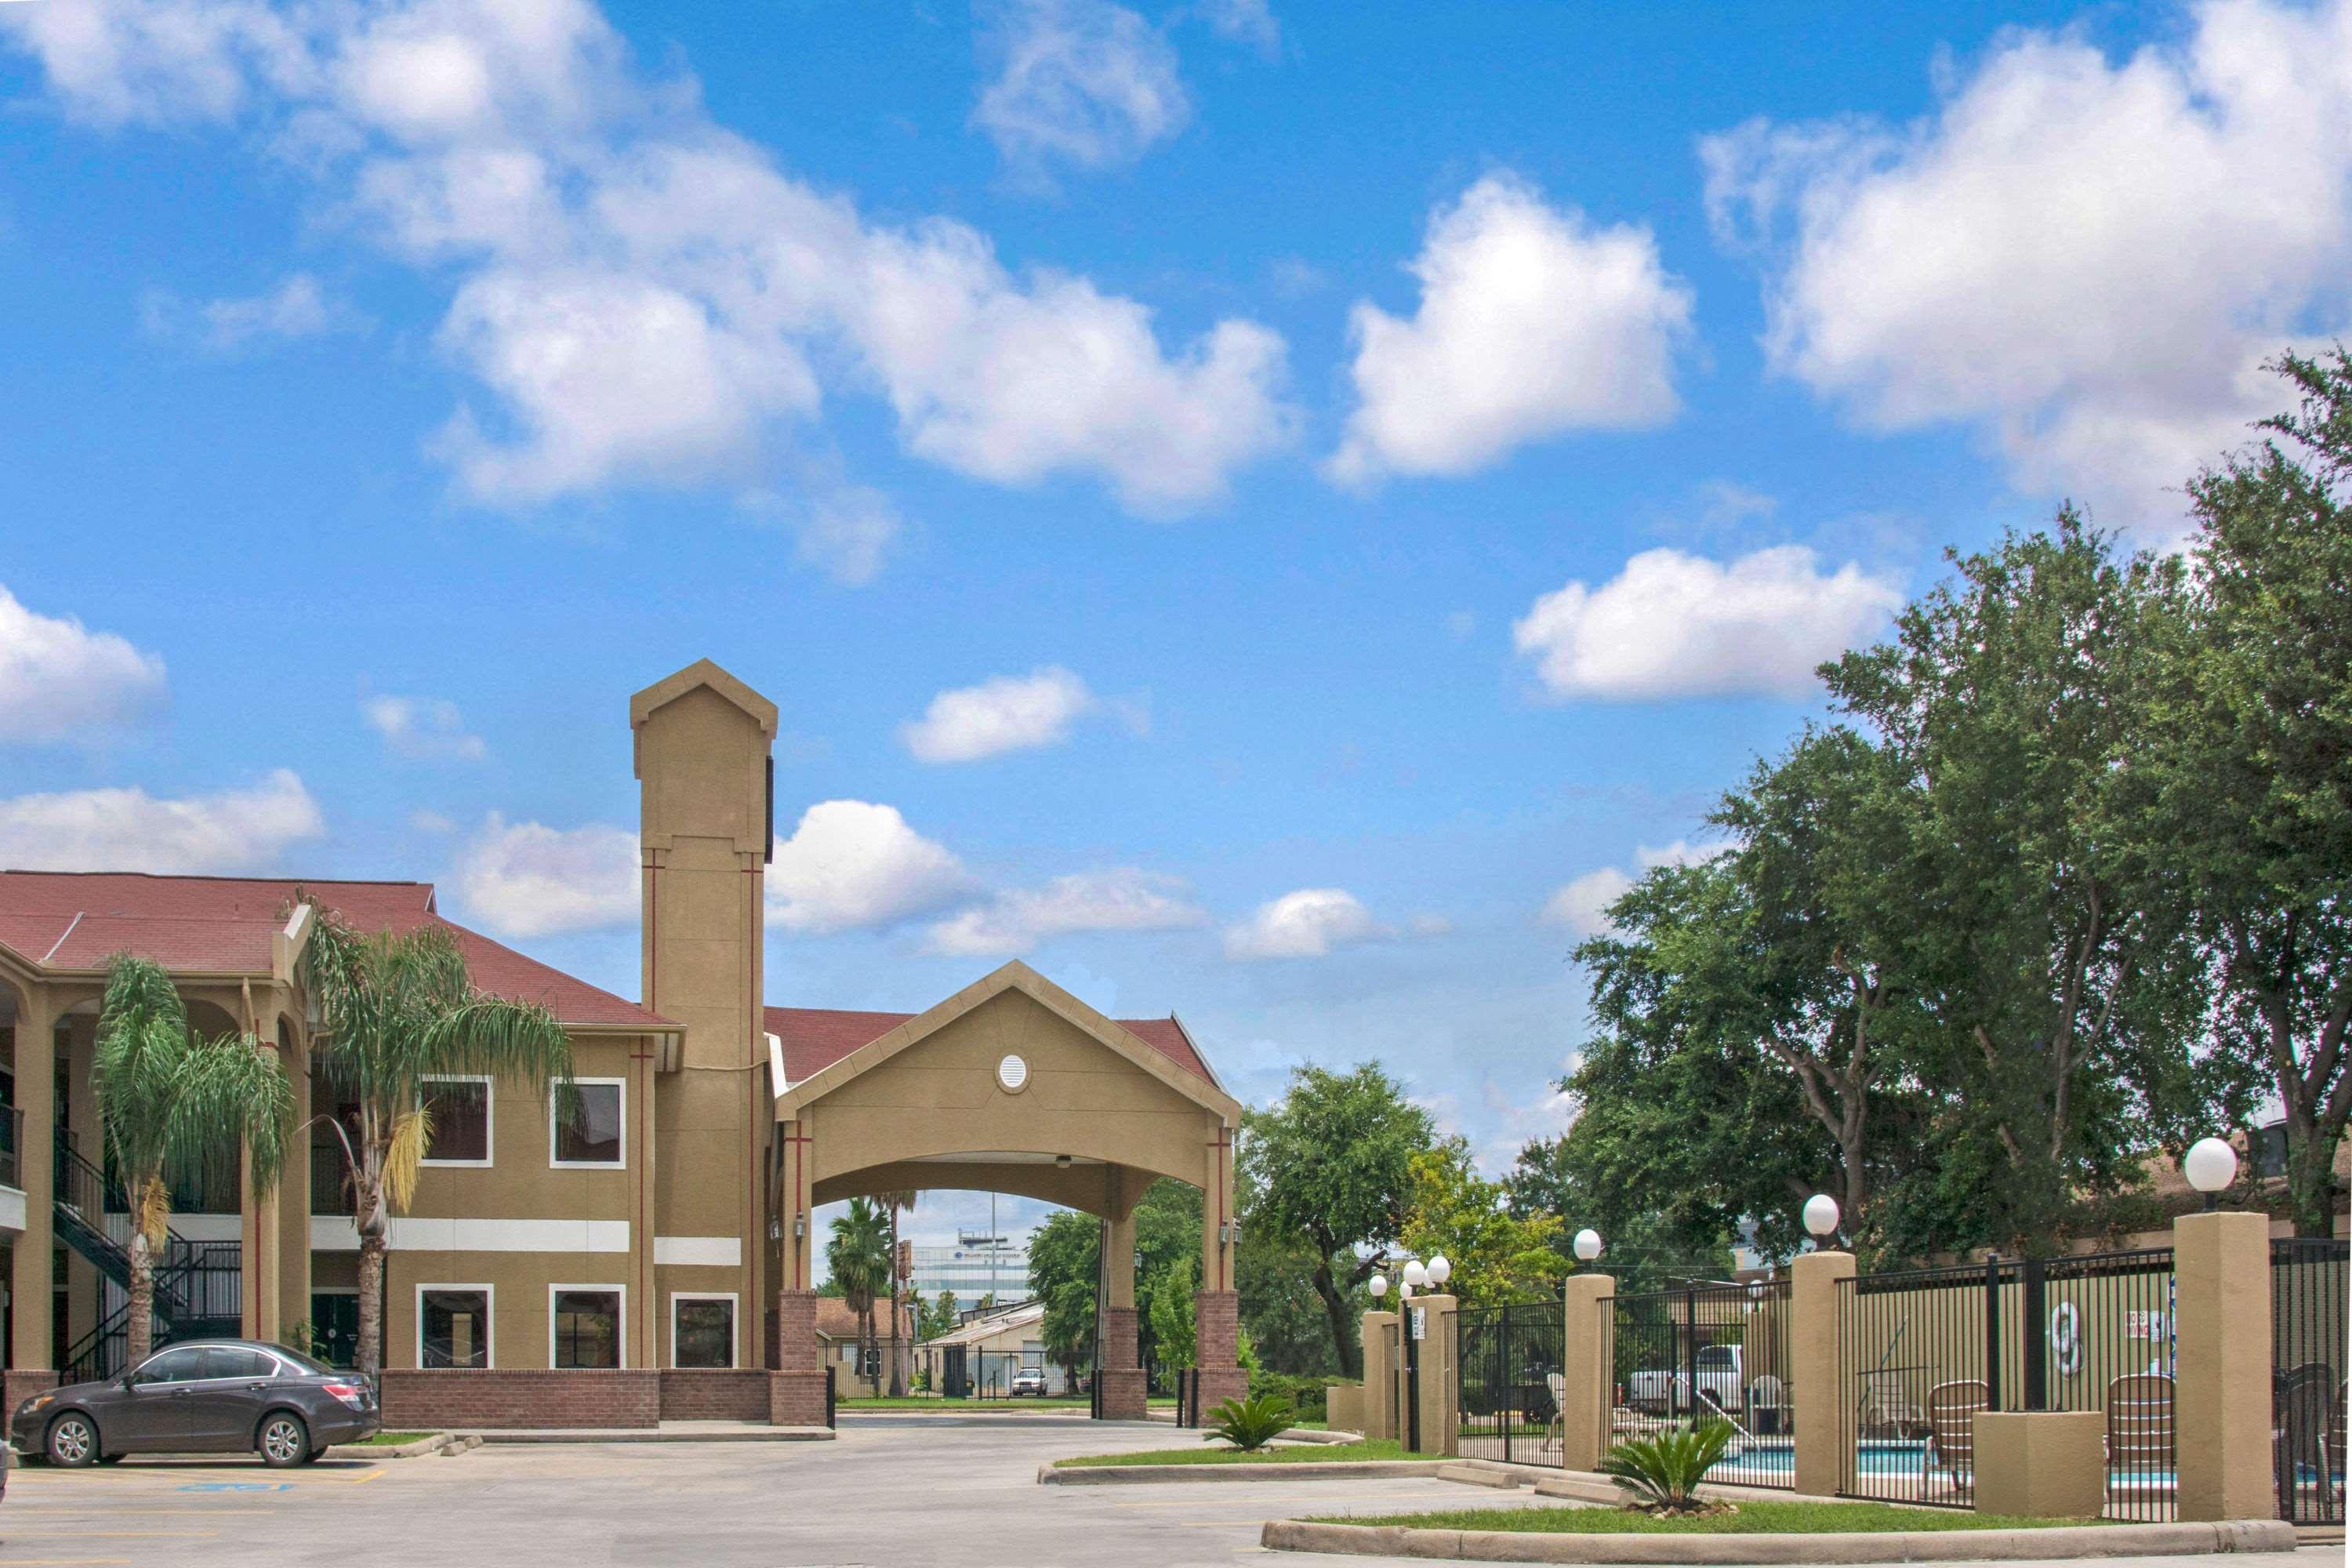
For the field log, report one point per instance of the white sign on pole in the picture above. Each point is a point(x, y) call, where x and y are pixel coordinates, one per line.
point(1421, 1322)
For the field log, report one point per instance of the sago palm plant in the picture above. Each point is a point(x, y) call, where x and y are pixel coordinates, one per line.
point(1250, 1424)
point(175, 1104)
point(396, 1009)
point(1663, 1472)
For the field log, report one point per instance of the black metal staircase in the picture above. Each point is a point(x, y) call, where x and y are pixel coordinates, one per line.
point(197, 1282)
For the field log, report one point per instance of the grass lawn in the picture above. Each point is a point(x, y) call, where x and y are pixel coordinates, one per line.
point(1753, 1519)
point(385, 1440)
point(1302, 1453)
point(959, 1406)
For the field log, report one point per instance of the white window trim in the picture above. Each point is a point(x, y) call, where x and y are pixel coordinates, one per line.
point(620, 1327)
point(734, 1323)
point(489, 1322)
point(489, 1120)
point(623, 1162)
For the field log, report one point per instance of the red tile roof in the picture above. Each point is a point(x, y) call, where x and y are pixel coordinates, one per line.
point(834, 1320)
point(77, 920)
point(815, 1037)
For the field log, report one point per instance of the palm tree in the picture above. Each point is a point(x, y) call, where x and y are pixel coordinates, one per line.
point(175, 1104)
point(395, 1009)
point(859, 1259)
point(895, 1204)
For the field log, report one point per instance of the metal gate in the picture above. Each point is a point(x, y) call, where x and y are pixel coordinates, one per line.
point(1920, 1351)
point(1716, 1351)
point(2308, 1285)
point(1509, 1389)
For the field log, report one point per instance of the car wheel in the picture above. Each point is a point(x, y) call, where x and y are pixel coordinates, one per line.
point(72, 1441)
point(283, 1440)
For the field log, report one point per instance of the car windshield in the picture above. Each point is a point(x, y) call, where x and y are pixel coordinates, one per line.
point(300, 1361)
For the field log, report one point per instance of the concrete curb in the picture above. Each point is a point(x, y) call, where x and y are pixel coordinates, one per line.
point(1480, 1476)
point(1892, 1546)
point(547, 1437)
point(1305, 1470)
point(432, 1443)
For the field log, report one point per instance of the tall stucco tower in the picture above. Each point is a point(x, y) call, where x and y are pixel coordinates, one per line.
point(705, 832)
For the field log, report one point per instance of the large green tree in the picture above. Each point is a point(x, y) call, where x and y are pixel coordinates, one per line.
point(1329, 1166)
point(397, 1009)
point(1498, 1256)
point(1063, 1252)
point(175, 1105)
point(2241, 791)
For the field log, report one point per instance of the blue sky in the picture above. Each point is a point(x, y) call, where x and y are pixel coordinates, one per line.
point(1267, 510)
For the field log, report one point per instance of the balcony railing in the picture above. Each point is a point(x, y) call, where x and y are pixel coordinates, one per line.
point(12, 1138)
point(331, 1184)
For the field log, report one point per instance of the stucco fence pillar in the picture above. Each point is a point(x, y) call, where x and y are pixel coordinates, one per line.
point(1588, 1371)
point(2221, 1379)
point(1817, 1394)
point(1378, 1397)
point(1427, 1371)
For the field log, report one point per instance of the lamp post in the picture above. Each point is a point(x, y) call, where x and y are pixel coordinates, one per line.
point(2210, 1166)
point(1416, 1275)
point(1587, 1245)
point(1820, 1216)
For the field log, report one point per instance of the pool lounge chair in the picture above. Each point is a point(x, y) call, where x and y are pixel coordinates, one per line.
point(2306, 1436)
point(2140, 1436)
point(1952, 1430)
point(1555, 1439)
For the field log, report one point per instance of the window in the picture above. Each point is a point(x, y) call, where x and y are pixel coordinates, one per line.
point(171, 1366)
point(701, 1330)
point(453, 1326)
point(460, 1110)
point(236, 1361)
point(2270, 1149)
point(591, 1135)
point(584, 1326)
point(1715, 1358)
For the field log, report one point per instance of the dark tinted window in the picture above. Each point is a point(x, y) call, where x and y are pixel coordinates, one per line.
point(456, 1328)
point(706, 1333)
point(172, 1366)
point(460, 1109)
point(591, 1134)
point(236, 1361)
point(588, 1329)
point(295, 1360)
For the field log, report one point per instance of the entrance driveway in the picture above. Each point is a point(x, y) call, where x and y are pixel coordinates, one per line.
point(954, 1492)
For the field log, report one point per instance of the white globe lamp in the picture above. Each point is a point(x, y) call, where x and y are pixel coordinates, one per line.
point(1821, 1217)
point(2210, 1166)
point(1588, 1245)
point(1415, 1274)
point(1439, 1270)
point(1380, 1286)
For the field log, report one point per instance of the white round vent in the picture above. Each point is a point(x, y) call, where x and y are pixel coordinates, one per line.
point(1014, 1074)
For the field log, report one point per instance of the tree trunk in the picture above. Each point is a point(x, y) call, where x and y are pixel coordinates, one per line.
point(866, 1349)
point(898, 1375)
point(370, 1353)
point(140, 1326)
point(2310, 1177)
point(1335, 1307)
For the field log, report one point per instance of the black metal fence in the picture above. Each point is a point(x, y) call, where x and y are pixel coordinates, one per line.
point(1920, 1351)
point(1509, 1391)
point(2309, 1279)
point(1710, 1351)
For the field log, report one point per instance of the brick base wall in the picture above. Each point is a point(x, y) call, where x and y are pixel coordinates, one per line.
point(1123, 1393)
point(416, 1399)
point(796, 1398)
point(730, 1394)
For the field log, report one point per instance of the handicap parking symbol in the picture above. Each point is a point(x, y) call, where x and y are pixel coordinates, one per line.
point(239, 1486)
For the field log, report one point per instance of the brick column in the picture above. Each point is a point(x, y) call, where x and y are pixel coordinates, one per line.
point(1217, 1325)
point(1587, 1370)
point(796, 1389)
point(2221, 1382)
point(1817, 1396)
point(1380, 1415)
point(31, 1350)
point(1123, 1391)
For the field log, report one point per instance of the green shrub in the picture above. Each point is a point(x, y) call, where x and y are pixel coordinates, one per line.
point(1306, 1394)
point(1250, 1424)
point(1663, 1472)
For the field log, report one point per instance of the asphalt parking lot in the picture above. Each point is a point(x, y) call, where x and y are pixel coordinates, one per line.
point(958, 1492)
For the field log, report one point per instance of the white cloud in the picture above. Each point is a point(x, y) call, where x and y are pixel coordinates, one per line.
point(130, 830)
point(1307, 923)
point(1250, 22)
point(526, 878)
point(60, 682)
point(2081, 260)
point(644, 298)
point(297, 308)
point(1513, 1122)
point(1008, 713)
point(852, 863)
point(1119, 899)
point(1674, 625)
point(1081, 81)
point(1583, 905)
point(423, 728)
point(847, 532)
point(1532, 322)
